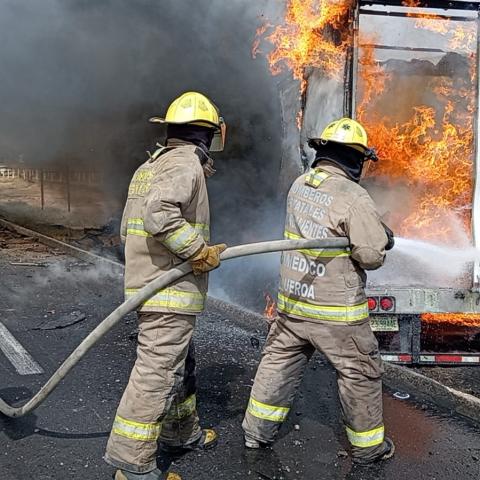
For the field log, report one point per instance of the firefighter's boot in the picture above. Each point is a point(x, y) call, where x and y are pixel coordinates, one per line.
point(154, 475)
point(253, 444)
point(207, 440)
point(387, 451)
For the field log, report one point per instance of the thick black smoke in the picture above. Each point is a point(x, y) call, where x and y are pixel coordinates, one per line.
point(80, 78)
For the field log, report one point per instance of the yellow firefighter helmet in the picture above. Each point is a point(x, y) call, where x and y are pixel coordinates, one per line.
point(196, 109)
point(346, 131)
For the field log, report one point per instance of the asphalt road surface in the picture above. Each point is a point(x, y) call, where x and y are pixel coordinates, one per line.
point(65, 438)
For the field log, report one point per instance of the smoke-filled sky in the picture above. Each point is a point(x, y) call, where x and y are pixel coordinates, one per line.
point(80, 78)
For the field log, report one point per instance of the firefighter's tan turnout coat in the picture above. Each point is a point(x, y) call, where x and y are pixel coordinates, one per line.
point(326, 284)
point(322, 306)
point(166, 220)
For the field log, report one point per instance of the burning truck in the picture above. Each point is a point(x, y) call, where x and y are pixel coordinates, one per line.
point(408, 71)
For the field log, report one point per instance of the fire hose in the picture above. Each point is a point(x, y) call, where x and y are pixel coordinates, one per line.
point(147, 292)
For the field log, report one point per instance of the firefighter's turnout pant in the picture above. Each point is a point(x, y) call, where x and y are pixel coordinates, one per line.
point(352, 349)
point(159, 402)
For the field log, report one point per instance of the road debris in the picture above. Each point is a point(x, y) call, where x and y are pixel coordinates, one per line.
point(28, 264)
point(63, 321)
point(401, 395)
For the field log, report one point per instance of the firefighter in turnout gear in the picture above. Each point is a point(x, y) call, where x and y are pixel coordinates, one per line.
point(165, 222)
point(321, 302)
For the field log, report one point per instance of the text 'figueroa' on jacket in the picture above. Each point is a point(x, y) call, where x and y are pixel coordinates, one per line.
point(330, 284)
point(166, 221)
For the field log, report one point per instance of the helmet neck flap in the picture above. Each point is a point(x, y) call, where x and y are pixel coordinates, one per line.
point(347, 158)
point(200, 136)
point(197, 135)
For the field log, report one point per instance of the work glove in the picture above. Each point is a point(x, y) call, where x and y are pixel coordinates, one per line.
point(208, 258)
point(390, 236)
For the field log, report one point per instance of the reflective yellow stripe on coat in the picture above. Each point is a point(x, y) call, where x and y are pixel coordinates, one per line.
point(316, 177)
point(267, 412)
point(173, 299)
point(135, 226)
point(318, 253)
point(322, 312)
point(203, 229)
point(144, 432)
point(370, 438)
point(181, 238)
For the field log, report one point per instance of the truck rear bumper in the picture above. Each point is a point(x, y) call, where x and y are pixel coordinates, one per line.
point(416, 342)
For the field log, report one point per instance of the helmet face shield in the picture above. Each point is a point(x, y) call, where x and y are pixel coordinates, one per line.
point(370, 154)
point(219, 138)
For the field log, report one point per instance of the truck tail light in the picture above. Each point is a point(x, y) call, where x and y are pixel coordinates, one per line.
point(387, 304)
point(372, 303)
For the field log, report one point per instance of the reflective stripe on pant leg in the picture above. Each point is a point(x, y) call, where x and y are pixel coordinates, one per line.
point(359, 381)
point(144, 432)
point(182, 410)
point(181, 426)
point(163, 342)
point(367, 439)
point(267, 412)
point(279, 374)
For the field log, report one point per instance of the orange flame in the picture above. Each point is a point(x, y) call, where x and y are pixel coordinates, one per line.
point(459, 319)
point(270, 311)
point(428, 146)
point(430, 152)
point(315, 33)
point(258, 39)
point(425, 140)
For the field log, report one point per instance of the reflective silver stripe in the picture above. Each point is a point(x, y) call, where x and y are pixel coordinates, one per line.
point(322, 312)
point(184, 409)
point(181, 238)
point(172, 298)
point(366, 439)
point(144, 432)
point(267, 412)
